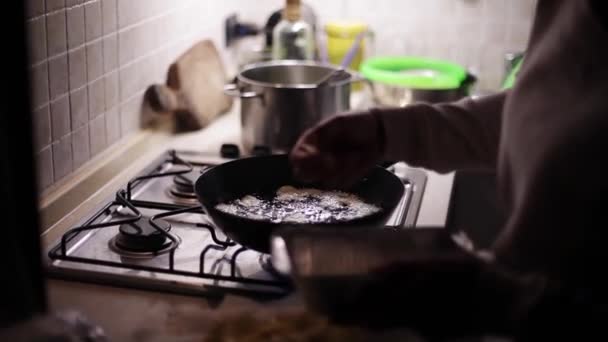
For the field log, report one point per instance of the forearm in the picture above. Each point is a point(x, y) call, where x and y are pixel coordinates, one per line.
point(444, 137)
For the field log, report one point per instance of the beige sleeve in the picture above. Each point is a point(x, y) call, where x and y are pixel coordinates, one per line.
point(445, 137)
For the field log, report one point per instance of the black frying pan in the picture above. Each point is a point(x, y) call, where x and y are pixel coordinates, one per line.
point(264, 175)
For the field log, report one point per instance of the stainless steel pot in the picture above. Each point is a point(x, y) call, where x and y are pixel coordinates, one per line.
point(280, 100)
point(392, 95)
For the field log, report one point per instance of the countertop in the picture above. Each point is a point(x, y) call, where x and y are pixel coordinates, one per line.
point(138, 315)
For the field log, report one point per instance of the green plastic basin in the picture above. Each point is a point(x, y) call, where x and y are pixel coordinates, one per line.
point(414, 72)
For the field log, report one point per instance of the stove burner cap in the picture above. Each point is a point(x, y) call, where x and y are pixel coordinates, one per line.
point(141, 236)
point(184, 184)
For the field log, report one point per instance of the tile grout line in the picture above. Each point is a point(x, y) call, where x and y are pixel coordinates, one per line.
point(69, 86)
point(70, 91)
point(148, 19)
point(118, 111)
point(89, 82)
point(103, 67)
point(52, 168)
point(64, 8)
point(48, 86)
point(103, 36)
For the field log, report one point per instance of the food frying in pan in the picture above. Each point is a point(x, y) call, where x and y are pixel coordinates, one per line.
point(301, 205)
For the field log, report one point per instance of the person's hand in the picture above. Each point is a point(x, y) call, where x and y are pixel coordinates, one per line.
point(340, 150)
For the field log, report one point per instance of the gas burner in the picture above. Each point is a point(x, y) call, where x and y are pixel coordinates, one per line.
point(117, 241)
point(141, 239)
point(184, 184)
point(182, 189)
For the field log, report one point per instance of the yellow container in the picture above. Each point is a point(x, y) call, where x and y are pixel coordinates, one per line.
point(340, 37)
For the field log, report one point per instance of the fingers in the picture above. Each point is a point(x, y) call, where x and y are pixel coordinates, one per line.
point(330, 168)
point(337, 152)
point(308, 158)
point(309, 164)
point(352, 167)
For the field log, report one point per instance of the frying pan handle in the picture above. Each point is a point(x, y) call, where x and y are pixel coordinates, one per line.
point(234, 91)
point(280, 255)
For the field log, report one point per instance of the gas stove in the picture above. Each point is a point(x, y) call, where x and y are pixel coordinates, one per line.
point(153, 234)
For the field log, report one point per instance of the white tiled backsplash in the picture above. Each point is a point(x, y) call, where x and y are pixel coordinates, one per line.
point(91, 60)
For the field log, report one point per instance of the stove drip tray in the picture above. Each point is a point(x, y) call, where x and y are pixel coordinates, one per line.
point(141, 239)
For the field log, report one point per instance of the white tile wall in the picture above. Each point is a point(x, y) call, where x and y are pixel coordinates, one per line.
point(56, 31)
point(93, 19)
point(79, 107)
point(58, 76)
point(81, 146)
point(44, 161)
point(108, 13)
point(62, 157)
point(77, 68)
point(37, 39)
point(75, 24)
point(60, 117)
point(70, 3)
point(34, 8)
point(53, 5)
point(97, 134)
point(92, 59)
point(97, 98)
point(42, 127)
point(40, 84)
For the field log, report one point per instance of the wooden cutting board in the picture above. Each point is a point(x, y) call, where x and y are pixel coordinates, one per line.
point(192, 95)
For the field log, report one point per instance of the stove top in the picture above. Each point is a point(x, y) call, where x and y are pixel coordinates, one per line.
point(153, 234)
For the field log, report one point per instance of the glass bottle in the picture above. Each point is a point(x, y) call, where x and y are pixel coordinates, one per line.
point(293, 37)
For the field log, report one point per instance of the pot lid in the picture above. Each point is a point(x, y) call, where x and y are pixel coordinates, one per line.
point(414, 72)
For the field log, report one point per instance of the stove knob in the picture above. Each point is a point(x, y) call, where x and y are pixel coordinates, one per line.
point(230, 151)
point(259, 150)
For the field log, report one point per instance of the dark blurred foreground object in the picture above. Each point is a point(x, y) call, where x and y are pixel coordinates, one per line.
point(300, 326)
point(427, 280)
point(69, 326)
point(193, 94)
point(383, 278)
point(23, 300)
point(475, 206)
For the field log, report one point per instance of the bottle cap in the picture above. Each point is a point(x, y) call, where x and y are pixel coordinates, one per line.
point(292, 10)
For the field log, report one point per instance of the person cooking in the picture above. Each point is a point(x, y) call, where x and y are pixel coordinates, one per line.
point(546, 138)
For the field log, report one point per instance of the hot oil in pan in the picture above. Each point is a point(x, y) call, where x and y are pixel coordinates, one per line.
point(291, 205)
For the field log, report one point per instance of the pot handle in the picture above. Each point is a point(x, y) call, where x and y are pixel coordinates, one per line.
point(358, 77)
point(355, 77)
point(234, 91)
